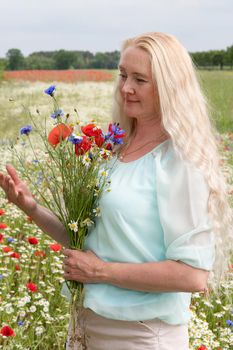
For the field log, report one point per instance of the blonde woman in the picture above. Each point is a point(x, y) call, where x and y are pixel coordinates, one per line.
point(165, 223)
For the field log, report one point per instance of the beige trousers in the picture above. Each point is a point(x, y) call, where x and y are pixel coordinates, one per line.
point(99, 333)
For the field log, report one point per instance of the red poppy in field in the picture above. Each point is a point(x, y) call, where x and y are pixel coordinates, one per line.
point(3, 225)
point(83, 147)
point(68, 75)
point(55, 247)
point(58, 133)
point(202, 347)
point(92, 130)
point(2, 212)
point(40, 253)
point(33, 240)
point(32, 287)
point(6, 331)
point(7, 249)
point(1, 238)
point(17, 268)
point(15, 255)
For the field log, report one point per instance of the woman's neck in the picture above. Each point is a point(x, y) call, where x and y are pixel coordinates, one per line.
point(149, 130)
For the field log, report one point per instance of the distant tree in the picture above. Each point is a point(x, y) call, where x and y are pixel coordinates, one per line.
point(15, 59)
point(39, 62)
point(218, 58)
point(64, 59)
point(229, 55)
point(105, 60)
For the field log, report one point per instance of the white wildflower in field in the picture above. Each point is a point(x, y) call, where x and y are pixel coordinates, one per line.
point(32, 308)
point(39, 330)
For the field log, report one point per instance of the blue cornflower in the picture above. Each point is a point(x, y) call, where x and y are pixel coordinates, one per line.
point(75, 139)
point(50, 90)
point(57, 113)
point(20, 323)
point(35, 161)
point(25, 130)
point(229, 323)
point(10, 239)
point(117, 141)
point(1, 276)
point(115, 134)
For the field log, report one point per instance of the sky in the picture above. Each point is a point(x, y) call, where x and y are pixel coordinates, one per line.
point(102, 25)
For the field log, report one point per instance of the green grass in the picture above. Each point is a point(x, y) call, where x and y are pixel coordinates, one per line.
point(218, 87)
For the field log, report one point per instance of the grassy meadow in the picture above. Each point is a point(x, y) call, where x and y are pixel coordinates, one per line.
point(31, 304)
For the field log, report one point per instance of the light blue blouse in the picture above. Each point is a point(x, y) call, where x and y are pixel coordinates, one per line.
point(156, 210)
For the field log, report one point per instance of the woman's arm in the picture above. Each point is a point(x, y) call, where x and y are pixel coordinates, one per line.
point(50, 224)
point(163, 276)
point(18, 193)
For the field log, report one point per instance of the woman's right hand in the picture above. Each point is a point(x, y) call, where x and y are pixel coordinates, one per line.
point(17, 191)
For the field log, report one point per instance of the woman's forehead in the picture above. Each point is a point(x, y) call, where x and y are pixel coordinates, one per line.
point(135, 59)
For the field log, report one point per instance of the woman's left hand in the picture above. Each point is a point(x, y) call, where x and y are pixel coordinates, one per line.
point(82, 266)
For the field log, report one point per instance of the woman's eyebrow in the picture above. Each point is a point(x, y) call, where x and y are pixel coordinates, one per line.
point(134, 73)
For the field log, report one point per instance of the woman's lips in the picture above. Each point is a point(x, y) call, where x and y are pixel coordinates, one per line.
point(131, 101)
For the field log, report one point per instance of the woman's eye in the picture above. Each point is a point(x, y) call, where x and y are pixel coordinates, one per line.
point(122, 76)
point(140, 80)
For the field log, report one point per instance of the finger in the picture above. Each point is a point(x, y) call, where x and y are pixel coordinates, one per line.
point(13, 174)
point(66, 252)
point(11, 189)
point(65, 268)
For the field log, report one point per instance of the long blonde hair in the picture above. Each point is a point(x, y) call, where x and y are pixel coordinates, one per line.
point(184, 116)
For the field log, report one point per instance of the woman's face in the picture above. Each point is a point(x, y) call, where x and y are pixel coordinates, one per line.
point(140, 100)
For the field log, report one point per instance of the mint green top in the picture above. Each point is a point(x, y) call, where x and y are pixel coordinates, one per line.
point(156, 210)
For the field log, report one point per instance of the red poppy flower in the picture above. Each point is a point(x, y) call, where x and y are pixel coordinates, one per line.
point(58, 133)
point(92, 130)
point(2, 225)
point(15, 255)
point(83, 147)
point(40, 253)
point(7, 249)
point(55, 247)
point(6, 331)
point(33, 240)
point(17, 268)
point(202, 347)
point(2, 212)
point(1, 238)
point(32, 287)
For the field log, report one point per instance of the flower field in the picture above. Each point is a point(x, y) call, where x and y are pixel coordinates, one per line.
point(33, 313)
point(67, 76)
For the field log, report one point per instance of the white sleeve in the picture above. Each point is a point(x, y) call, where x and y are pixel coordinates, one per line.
point(182, 195)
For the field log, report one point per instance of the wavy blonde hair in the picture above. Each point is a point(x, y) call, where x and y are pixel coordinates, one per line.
point(184, 116)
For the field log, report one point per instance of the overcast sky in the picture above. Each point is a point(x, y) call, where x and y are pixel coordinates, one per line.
point(101, 25)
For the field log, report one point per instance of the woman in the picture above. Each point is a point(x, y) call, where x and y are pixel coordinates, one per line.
point(155, 241)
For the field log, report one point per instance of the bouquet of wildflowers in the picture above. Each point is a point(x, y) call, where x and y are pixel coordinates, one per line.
point(73, 174)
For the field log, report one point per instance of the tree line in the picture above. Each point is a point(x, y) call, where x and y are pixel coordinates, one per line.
point(63, 59)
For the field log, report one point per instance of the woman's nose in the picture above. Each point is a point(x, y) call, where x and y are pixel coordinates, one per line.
point(127, 88)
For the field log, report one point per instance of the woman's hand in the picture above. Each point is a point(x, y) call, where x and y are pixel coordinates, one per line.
point(83, 266)
point(17, 191)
